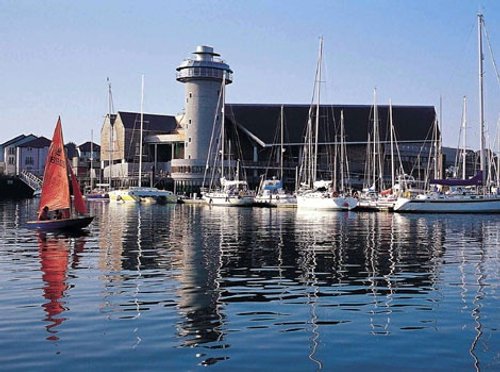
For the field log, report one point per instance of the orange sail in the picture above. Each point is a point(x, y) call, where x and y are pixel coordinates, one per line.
point(78, 201)
point(55, 188)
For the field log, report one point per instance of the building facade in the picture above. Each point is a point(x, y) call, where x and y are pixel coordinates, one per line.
point(177, 148)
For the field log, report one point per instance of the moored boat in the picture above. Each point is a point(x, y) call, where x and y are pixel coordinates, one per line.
point(459, 195)
point(56, 209)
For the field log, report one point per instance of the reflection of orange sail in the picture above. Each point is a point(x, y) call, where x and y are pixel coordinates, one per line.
point(55, 188)
point(54, 262)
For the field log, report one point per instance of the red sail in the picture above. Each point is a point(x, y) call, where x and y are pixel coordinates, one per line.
point(55, 187)
point(78, 201)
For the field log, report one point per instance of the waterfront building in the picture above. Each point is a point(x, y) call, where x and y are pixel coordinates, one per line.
point(120, 136)
point(176, 147)
point(9, 153)
point(32, 156)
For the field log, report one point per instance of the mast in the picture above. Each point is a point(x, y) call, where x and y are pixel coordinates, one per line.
point(481, 95)
point(375, 136)
point(391, 124)
point(342, 155)
point(318, 97)
point(91, 160)
point(140, 134)
point(498, 153)
point(464, 144)
point(223, 114)
point(282, 150)
point(110, 134)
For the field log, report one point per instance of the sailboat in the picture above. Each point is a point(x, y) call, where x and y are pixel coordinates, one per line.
point(98, 194)
point(141, 193)
point(314, 193)
point(55, 199)
point(225, 186)
point(271, 192)
point(461, 196)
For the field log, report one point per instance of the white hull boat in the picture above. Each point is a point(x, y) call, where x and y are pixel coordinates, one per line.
point(325, 201)
point(436, 203)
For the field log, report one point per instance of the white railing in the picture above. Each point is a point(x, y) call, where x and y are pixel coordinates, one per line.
point(31, 180)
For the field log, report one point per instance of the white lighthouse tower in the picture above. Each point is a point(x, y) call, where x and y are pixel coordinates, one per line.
point(202, 76)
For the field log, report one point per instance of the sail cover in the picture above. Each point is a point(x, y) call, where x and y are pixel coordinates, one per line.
point(55, 187)
point(477, 180)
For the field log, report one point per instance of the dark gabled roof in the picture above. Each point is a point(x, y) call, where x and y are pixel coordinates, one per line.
point(22, 138)
point(412, 123)
point(151, 122)
point(13, 140)
point(71, 150)
point(39, 143)
point(86, 147)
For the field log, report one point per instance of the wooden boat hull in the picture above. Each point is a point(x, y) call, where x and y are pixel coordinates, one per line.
point(67, 224)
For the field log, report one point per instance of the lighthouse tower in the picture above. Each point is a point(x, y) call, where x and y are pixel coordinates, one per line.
point(202, 78)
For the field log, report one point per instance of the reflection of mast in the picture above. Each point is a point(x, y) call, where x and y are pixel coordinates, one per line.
point(312, 281)
point(476, 311)
point(138, 278)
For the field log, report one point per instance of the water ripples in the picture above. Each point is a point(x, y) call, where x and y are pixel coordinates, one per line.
point(185, 286)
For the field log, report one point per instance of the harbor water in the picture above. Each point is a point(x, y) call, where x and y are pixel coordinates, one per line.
point(184, 287)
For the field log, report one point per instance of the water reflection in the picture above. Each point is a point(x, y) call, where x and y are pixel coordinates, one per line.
point(211, 283)
point(55, 255)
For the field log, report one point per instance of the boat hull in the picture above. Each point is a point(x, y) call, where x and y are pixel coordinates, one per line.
point(444, 204)
point(276, 200)
point(223, 199)
point(320, 201)
point(67, 224)
point(122, 196)
point(153, 195)
point(13, 188)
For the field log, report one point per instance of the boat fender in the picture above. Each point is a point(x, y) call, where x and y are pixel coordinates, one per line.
point(277, 197)
point(210, 201)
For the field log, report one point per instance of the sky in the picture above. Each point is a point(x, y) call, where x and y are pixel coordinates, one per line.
point(56, 56)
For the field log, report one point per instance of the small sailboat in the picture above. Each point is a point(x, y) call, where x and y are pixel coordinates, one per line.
point(56, 211)
point(271, 192)
point(314, 192)
point(142, 194)
point(225, 186)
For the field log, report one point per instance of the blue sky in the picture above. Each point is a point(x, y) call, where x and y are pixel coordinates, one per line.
point(56, 56)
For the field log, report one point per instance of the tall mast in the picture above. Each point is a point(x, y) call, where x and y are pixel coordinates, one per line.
point(391, 124)
point(110, 133)
point(342, 155)
point(464, 144)
point(481, 95)
point(375, 136)
point(282, 150)
point(140, 134)
point(91, 160)
point(498, 153)
point(318, 97)
point(223, 114)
